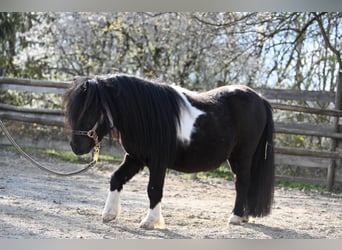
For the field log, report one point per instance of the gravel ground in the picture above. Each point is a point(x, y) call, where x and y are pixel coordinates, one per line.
point(37, 205)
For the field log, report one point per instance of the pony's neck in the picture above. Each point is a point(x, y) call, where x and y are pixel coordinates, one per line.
point(104, 104)
point(109, 116)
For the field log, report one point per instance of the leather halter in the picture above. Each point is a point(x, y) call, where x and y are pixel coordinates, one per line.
point(90, 133)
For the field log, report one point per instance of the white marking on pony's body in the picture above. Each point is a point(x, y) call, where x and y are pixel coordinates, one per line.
point(188, 116)
point(112, 206)
point(154, 218)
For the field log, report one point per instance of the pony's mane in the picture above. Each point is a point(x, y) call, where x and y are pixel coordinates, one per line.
point(145, 112)
point(147, 115)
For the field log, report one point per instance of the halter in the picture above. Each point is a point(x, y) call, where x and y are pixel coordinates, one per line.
point(92, 132)
point(92, 135)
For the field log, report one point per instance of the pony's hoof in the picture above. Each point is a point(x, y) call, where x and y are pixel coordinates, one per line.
point(245, 219)
point(234, 220)
point(108, 217)
point(112, 207)
point(148, 224)
point(110, 214)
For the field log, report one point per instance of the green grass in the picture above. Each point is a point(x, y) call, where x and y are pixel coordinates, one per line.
point(301, 186)
point(222, 172)
point(62, 155)
point(71, 157)
point(67, 156)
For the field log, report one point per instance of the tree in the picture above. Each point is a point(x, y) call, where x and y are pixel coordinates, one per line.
point(195, 50)
point(10, 24)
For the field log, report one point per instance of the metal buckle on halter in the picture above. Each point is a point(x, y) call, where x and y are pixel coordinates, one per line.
point(90, 133)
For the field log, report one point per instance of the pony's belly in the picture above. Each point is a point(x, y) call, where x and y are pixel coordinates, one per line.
point(193, 168)
point(196, 160)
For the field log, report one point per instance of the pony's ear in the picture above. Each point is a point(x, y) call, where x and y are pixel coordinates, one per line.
point(113, 84)
point(85, 86)
point(87, 83)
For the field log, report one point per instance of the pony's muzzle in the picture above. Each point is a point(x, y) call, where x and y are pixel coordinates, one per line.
point(75, 148)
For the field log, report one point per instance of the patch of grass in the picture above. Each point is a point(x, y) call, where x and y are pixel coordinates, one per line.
point(111, 158)
point(301, 185)
point(71, 157)
point(28, 149)
point(222, 172)
point(67, 156)
point(62, 155)
point(43, 152)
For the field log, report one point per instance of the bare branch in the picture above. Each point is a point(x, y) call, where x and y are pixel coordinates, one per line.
point(222, 24)
point(327, 40)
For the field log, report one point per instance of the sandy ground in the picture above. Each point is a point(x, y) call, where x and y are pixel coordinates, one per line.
point(37, 205)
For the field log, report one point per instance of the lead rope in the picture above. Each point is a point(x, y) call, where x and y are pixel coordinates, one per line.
point(96, 152)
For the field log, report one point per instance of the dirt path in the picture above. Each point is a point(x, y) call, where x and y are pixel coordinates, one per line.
point(34, 204)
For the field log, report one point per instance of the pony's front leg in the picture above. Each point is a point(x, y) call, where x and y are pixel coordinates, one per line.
point(154, 218)
point(128, 168)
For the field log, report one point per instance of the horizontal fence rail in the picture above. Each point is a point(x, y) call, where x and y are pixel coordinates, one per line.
point(284, 156)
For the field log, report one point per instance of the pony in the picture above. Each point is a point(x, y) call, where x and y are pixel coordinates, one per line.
point(162, 126)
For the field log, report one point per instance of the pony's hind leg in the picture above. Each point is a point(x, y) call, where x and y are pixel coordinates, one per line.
point(154, 218)
point(128, 168)
point(241, 168)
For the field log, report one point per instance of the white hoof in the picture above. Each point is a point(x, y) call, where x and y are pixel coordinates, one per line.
point(234, 219)
point(112, 208)
point(148, 223)
point(108, 217)
point(154, 219)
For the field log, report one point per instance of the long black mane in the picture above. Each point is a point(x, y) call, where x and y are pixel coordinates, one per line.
point(146, 113)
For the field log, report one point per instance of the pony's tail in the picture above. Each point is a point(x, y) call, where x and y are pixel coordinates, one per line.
point(261, 189)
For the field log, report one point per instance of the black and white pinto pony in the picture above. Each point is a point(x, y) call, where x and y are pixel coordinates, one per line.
point(163, 126)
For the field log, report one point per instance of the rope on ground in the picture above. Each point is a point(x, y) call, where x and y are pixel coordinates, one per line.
point(40, 166)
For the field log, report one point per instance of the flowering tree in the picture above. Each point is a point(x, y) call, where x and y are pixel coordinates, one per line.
point(195, 50)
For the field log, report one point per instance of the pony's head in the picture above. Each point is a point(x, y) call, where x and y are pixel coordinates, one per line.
point(86, 115)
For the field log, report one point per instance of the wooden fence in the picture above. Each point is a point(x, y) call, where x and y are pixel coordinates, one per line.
point(301, 157)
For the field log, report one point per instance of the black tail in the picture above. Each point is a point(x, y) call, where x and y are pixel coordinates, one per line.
point(261, 189)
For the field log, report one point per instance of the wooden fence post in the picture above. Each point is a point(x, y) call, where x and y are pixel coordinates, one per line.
point(334, 141)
